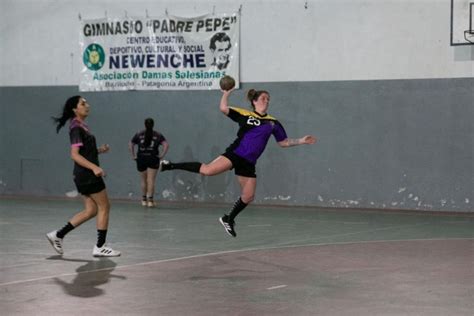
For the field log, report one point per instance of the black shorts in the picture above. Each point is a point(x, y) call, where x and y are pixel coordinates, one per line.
point(145, 162)
point(90, 188)
point(241, 166)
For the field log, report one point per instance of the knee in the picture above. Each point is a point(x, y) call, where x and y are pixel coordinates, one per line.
point(91, 212)
point(205, 170)
point(205, 173)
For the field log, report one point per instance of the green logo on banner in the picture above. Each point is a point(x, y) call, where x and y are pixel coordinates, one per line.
point(94, 57)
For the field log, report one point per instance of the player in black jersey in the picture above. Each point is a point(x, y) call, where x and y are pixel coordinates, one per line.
point(148, 158)
point(87, 177)
point(255, 129)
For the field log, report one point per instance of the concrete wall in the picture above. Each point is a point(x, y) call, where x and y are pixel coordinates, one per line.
point(376, 81)
point(281, 41)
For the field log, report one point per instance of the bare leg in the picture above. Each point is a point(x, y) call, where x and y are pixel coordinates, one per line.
point(98, 205)
point(143, 182)
point(90, 210)
point(150, 181)
point(217, 166)
point(103, 208)
point(247, 188)
point(247, 193)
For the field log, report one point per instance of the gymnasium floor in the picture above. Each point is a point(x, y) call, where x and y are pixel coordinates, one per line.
point(177, 260)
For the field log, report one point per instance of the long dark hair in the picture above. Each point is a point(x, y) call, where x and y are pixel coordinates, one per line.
point(149, 123)
point(253, 95)
point(68, 112)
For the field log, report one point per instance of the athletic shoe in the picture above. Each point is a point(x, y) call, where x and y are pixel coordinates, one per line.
point(144, 203)
point(56, 242)
point(105, 251)
point(150, 204)
point(165, 165)
point(228, 225)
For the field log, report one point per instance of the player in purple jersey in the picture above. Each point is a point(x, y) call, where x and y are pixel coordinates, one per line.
point(148, 158)
point(255, 129)
point(87, 177)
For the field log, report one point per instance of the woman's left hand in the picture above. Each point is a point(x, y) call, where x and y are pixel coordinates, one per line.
point(308, 139)
point(103, 149)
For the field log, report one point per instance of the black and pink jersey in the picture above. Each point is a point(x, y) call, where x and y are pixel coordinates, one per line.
point(254, 133)
point(152, 150)
point(81, 137)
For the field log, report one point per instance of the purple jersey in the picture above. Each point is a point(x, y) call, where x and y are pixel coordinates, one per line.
point(152, 150)
point(254, 132)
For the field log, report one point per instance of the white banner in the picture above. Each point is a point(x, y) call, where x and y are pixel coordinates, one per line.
point(163, 53)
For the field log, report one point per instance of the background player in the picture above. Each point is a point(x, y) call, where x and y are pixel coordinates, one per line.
point(148, 158)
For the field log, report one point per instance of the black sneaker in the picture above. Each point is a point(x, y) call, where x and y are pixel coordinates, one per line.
point(228, 225)
point(165, 165)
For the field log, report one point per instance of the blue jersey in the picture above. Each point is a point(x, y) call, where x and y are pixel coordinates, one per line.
point(254, 133)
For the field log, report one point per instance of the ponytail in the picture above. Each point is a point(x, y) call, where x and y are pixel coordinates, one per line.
point(68, 112)
point(149, 123)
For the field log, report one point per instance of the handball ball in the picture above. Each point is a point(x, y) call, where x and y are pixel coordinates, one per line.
point(227, 83)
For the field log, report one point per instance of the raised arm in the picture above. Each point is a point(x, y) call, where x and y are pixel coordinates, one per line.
point(305, 140)
point(224, 105)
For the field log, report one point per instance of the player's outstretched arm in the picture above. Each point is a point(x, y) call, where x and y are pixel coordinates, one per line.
point(305, 140)
point(224, 105)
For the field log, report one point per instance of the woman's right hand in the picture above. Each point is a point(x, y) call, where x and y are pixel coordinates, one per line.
point(98, 171)
point(227, 91)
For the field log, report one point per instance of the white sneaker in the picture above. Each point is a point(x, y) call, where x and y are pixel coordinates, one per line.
point(144, 203)
point(151, 204)
point(105, 251)
point(56, 242)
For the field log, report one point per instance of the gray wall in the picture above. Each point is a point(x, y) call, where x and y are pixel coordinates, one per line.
point(401, 144)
